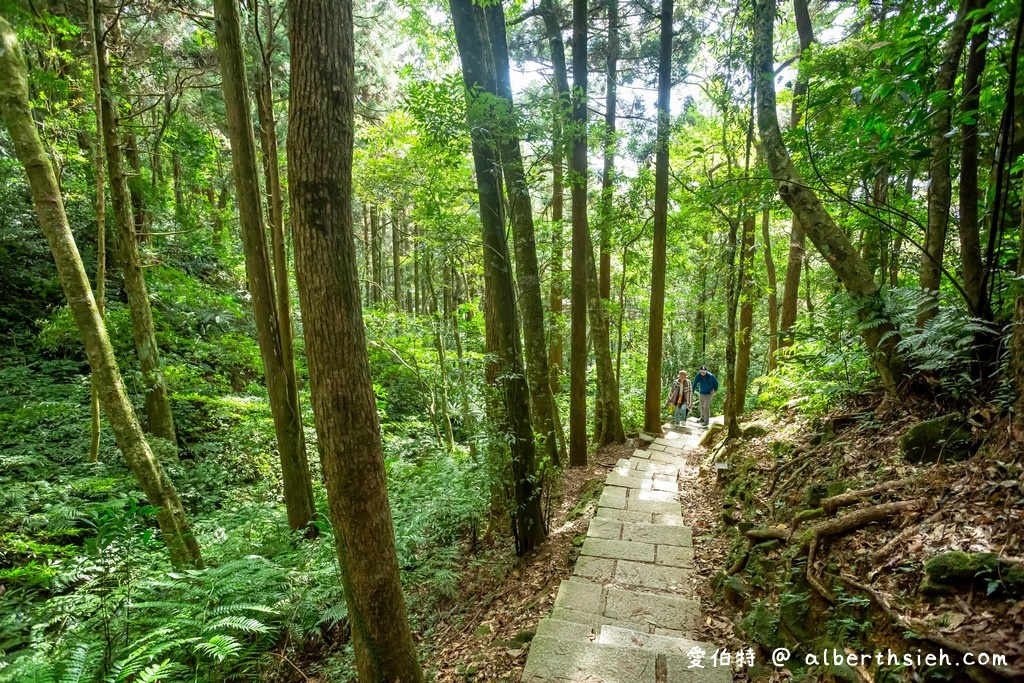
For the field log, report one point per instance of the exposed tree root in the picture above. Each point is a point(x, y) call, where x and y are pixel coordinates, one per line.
point(835, 503)
point(920, 631)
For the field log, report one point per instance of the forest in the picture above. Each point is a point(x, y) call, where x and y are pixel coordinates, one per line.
point(330, 328)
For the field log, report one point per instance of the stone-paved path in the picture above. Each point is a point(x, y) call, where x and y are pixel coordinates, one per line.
point(626, 614)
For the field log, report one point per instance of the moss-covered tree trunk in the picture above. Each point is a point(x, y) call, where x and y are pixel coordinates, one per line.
point(159, 490)
point(160, 419)
point(284, 399)
point(321, 135)
point(831, 242)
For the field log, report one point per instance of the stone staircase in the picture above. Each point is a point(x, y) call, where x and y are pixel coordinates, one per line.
point(626, 613)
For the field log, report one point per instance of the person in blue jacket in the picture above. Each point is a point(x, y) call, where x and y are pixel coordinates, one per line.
point(706, 385)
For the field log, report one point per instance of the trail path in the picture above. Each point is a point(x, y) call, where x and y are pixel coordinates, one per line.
point(626, 613)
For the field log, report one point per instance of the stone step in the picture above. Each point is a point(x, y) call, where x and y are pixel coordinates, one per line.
point(639, 500)
point(625, 637)
point(660, 518)
point(591, 602)
point(574, 661)
point(565, 630)
point(678, 459)
point(644, 468)
point(578, 661)
point(640, 532)
point(643, 481)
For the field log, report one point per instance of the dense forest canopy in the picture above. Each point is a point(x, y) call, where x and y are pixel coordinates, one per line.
point(310, 306)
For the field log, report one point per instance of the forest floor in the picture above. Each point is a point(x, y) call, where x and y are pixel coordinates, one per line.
point(756, 593)
point(500, 602)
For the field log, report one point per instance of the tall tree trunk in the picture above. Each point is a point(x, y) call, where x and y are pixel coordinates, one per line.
point(93, 19)
point(437, 327)
point(499, 291)
point(1017, 341)
point(179, 202)
point(159, 490)
point(940, 186)
point(321, 134)
point(158, 408)
point(608, 177)
point(653, 402)
point(367, 249)
point(416, 296)
point(797, 236)
point(376, 256)
point(561, 108)
point(608, 410)
point(879, 335)
point(970, 240)
point(141, 216)
point(897, 244)
point(525, 244)
point(397, 216)
point(580, 239)
point(452, 314)
point(732, 300)
point(748, 290)
point(874, 247)
point(284, 404)
point(773, 302)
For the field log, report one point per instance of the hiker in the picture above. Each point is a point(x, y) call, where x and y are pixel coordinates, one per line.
point(680, 398)
point(707, 385)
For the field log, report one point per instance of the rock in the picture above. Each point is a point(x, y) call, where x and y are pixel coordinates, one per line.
point(709, 433)
point(589, 494)
point(736, 592)
point(940, 439)
point(754, 429)
point(958, 566)
point(945, 572)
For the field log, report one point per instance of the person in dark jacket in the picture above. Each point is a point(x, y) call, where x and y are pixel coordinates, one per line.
point(706, 385)
point(680, 398)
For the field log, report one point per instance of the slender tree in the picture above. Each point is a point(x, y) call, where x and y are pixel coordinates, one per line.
point(93, 19)
point(321, 135)
point(499, 291)
point(17, 116)
point(562, 104)
point(797, 237)
point(652, 405)
point(608, 176)
point(159, 417)
point(970, 240)
point(580, 239)
point(773, 303)
point(748, 290)
point(284, 399)
point(940, 185)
